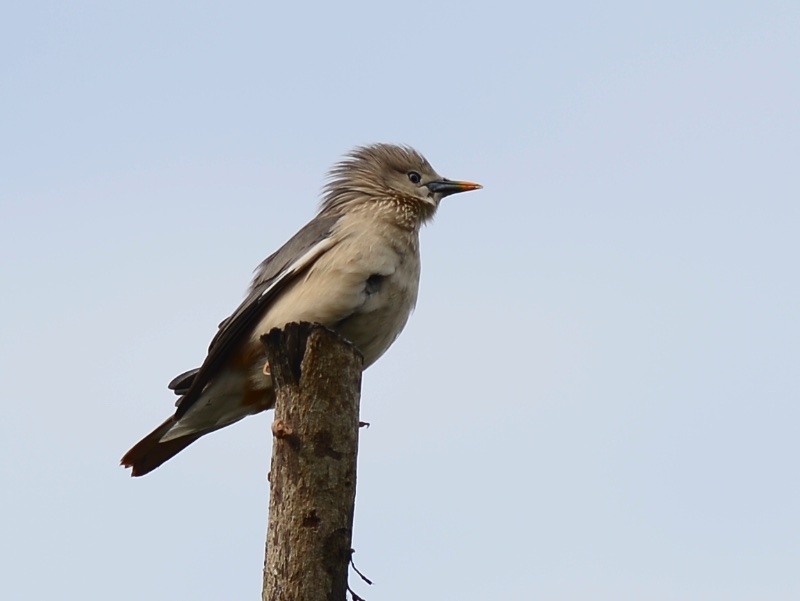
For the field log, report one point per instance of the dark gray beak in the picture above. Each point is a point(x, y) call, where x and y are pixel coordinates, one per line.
point(445, 187)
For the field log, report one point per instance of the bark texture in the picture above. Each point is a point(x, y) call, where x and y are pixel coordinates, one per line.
point(317, 381)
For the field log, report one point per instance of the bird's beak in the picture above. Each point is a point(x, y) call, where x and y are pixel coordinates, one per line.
point(445, 187)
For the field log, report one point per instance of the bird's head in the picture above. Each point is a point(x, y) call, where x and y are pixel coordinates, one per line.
point(395, 177)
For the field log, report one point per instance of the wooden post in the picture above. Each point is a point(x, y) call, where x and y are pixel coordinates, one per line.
point(317, 380)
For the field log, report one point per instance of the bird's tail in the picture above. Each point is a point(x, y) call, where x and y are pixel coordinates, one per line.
point(147, 454)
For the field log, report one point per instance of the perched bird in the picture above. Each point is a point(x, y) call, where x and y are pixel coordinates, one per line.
point(353, 268)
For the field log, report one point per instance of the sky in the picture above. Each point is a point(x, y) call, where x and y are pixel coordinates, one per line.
point(597, 395)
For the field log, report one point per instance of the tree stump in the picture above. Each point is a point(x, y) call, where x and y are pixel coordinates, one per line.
point(316, 376)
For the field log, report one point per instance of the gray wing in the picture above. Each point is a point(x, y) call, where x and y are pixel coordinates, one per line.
point(272, 276)
point(181, 383)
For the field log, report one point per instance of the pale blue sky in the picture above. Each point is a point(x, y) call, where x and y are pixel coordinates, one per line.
point(597, 397)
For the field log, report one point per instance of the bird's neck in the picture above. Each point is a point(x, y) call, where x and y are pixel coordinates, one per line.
point(405, 213)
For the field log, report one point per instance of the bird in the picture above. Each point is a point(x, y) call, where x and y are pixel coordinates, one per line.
point(354, 268)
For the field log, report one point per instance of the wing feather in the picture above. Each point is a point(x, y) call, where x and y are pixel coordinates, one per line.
point(272, 276)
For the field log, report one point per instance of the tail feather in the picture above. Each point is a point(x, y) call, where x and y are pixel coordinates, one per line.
point(147, 454)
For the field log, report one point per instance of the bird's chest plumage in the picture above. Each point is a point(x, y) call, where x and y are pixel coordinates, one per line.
point(386, 298)
point(383, 275)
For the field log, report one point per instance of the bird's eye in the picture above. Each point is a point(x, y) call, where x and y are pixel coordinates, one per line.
point(414, 177)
